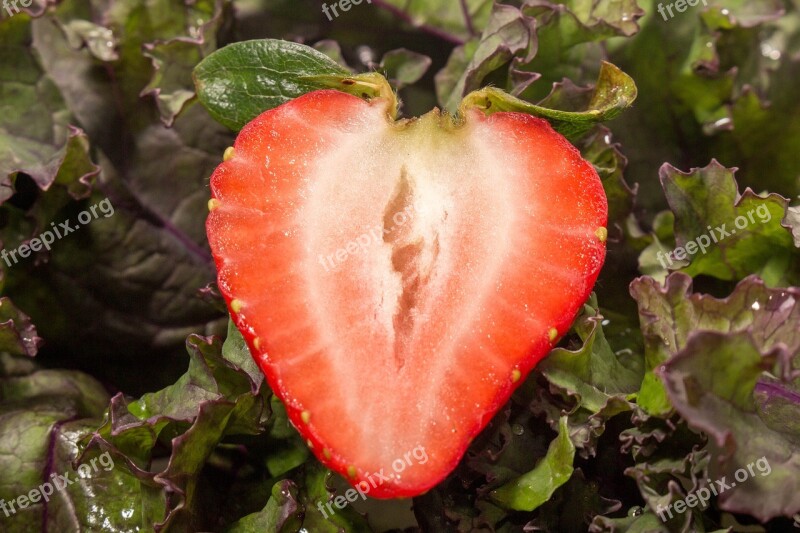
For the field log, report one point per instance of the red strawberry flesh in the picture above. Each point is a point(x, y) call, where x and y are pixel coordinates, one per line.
point(396, 280)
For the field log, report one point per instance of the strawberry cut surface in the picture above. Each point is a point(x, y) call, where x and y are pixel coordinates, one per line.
point(396, 280)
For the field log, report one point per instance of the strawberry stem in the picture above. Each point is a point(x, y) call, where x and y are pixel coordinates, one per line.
point(368, 85)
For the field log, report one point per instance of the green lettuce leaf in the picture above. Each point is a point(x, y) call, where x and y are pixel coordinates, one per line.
point(507, 33)
point(215, 398)
point(532, 489)
point(568, 36)
point(43, 415)
point(403, 67)
point(136, 273)
point(731, 235)
point(41, 141)
point(728, 369)
point(594, 381)
point(174, 60)
point(667, 331)
point(451, 21)
point(749, 446)
point(17, 333)
point(598, 147)
point(714, 83)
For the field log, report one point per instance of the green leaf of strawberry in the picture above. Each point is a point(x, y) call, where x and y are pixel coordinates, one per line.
point(614, 92)
point(238, 82)
point(395, 281)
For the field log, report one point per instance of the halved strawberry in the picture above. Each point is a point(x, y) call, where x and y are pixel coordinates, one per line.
point(397, 280)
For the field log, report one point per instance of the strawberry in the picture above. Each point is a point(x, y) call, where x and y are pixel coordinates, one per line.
point(396, 281)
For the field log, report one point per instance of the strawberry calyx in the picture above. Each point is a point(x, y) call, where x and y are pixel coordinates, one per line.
point(368, 85)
